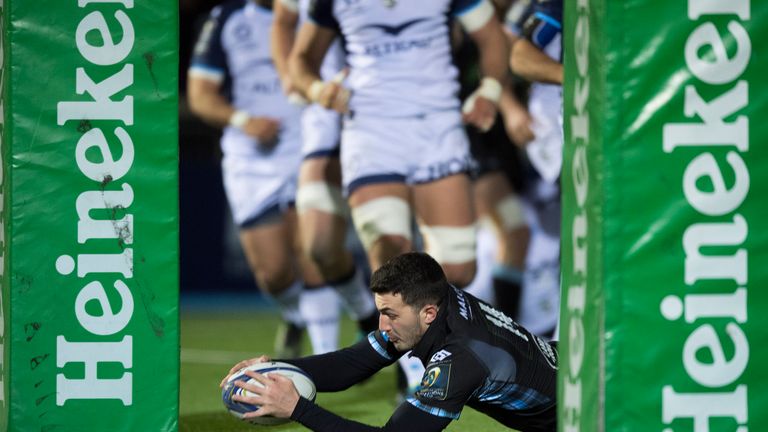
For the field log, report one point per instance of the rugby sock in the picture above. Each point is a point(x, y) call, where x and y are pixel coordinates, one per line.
point(357, 300)
point(288, 337)
point(320, 308)
point(414, 372)
point(482, 285)
point(507, 284)
point(288, 301)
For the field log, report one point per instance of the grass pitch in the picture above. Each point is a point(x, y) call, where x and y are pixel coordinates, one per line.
point(212, 342)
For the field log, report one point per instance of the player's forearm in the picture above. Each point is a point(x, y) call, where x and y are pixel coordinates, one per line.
point(493, 47)
point(282, 36)
point(318, 419)
point(339, 370)
point(531, 63)
point(509, 103)
point(303, 71)
point(406, 418)
point(205, 102)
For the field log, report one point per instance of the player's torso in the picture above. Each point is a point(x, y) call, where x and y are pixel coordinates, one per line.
point(517, 361)
point(255, 84)
point(399, 52)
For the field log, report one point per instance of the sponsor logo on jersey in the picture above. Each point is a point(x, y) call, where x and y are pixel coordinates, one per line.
point(439, 356)
point(395, 30)
point(434, 384)
point(464, 310)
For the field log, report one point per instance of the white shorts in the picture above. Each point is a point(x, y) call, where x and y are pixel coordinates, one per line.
point(409, 149)
point(321, 129)
point(260, 187)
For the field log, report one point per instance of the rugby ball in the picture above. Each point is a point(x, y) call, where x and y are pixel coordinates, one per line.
point(301, 380)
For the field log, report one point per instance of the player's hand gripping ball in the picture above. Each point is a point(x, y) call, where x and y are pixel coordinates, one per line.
point(301, 380)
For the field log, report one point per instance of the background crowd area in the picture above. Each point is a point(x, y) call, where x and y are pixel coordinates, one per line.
point(211, 256)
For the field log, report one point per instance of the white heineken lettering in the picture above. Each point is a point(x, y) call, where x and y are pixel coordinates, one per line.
point(697, 8)
point(715, 249)
point(101, 107)
point(105, 201)
point(95, 140)
point(107, 323)
point(699, 266)
point(703, 406)
point(109, 53)
point(579, 120)
point(91, 354)
point(104, 218)
point(714, 131)
point(127, 3)
point(721, 200)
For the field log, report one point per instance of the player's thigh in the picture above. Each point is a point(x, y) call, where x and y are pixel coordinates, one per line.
point(322, 233)
point(322, 209)
point(320, 169)
point(269, 249)
point(445, 202)
point(446, 216)
point(489, 190)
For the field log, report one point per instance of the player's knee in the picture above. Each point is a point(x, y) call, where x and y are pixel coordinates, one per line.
point(511, 215)
point(455, 248)
point(460, 275)
point(328, 258)
point(450, 244)
point(275, 280)
point(383, 223)
point(321, 196)
point(391, 245)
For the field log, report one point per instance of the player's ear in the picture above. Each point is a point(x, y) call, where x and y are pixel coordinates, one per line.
point(430, 313)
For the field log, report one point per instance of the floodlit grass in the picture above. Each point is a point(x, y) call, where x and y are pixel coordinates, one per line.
point(212, 342)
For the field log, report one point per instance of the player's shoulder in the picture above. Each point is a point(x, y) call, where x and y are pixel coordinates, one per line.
point(456, 350)
point(225, 10)
point(552, 9)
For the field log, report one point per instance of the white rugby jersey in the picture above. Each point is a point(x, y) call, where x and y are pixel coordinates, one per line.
point(234, 49)
point(399, 51)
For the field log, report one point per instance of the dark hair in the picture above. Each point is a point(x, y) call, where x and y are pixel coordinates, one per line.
point(415, 276)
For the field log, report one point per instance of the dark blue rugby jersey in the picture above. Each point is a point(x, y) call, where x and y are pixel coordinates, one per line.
point(544, 24)
point(474, 355)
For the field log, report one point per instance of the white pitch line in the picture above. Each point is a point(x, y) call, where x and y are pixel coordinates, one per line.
point(216, 357)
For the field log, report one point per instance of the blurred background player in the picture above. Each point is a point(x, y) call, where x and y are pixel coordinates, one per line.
point(404, 149)
point(536, 56)
point(233, 84)
point(322, 210)
point(498, 180)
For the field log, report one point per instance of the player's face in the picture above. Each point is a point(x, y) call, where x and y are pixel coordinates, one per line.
point(402, 323)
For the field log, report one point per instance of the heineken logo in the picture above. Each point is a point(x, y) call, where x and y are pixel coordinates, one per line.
point(104, 213)
point(712, 303)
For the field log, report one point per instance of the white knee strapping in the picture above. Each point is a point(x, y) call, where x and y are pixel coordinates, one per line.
point(450, 245)
point(320, 196)
point(382, 216)
point(511, 212)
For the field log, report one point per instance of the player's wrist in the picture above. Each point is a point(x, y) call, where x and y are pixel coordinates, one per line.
point(315, 90)
point(239, 119)
point(491, 89)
